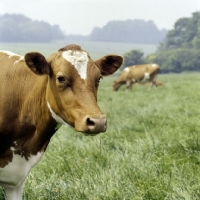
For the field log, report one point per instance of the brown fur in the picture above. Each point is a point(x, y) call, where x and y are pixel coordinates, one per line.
point(26, 124)
point(136, 73)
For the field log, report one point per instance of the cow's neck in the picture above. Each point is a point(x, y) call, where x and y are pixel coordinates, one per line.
point(33, 128)
point(44, 126)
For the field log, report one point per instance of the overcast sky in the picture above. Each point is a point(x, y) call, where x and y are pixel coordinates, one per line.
point(81, 16)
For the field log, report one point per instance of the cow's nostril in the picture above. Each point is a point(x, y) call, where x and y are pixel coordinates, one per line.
point(90, 122)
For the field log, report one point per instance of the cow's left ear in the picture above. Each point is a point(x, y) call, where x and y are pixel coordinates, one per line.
point(109, 64)
point(37, 63)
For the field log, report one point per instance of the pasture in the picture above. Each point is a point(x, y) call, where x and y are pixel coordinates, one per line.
point(151, 149)
point(95, 49)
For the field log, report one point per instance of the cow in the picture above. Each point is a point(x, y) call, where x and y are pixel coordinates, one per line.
point(137, 73)
point(37, 95)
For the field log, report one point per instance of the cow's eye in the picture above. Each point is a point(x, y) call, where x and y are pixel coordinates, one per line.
point(61, 79)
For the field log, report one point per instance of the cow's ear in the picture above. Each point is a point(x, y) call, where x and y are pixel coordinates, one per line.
point(109, 64)
point(37, 63)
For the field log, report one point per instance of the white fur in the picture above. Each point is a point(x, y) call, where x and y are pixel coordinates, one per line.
point(154, 65)
point(14, 193)
point(12, 175)
point(79, 60)
point(20, 58)
point(58, 119)
point(133, 80)
point(10, 54)
point(126, 69)
point(146, 77)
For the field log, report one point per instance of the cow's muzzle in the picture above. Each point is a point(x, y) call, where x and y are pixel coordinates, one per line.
point(96, 125)
point(91, 125)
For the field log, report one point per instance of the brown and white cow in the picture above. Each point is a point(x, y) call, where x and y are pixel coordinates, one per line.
point(37, 94)
point(137, 73)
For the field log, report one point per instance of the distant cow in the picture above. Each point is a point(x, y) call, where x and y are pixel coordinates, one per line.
point(137, 73)
point(37, 94)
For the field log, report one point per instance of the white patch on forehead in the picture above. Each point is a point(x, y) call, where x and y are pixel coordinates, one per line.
point(79, 59)
point(154, 65)
point(126, 69)
point(11, 54)
point(58, 119)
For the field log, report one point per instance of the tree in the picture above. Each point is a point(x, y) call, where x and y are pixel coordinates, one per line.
point(180, 49)
point(186, 34)
point(133, 57)
point(132, 31)
point(178, 60)
point(18, 28)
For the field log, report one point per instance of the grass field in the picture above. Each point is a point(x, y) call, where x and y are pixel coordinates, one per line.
point(151, 150)
point(95, 49)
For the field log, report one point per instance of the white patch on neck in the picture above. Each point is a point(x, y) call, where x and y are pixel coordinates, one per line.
point(58, 119)
point(11, 54)
point(79, 60)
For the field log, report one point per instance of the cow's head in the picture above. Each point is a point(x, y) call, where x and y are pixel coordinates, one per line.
point(73, 79)
point(116, 85)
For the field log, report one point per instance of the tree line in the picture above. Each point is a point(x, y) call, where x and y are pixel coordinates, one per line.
point(180, 49)
point(19, 28)
point(178, 52)
point(129, 31)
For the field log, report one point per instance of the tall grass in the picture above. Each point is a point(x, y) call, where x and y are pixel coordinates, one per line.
point(151, 150)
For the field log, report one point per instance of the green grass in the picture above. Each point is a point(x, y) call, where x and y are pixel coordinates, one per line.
point(151, 150)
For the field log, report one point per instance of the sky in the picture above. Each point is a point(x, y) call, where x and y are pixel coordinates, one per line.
point(79, 17)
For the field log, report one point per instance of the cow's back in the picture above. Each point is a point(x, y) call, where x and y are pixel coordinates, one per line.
point(123, 75)
point(137, 72)
point(153, 68)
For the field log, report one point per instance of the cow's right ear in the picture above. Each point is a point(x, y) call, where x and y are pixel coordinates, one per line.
point(37, 63)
